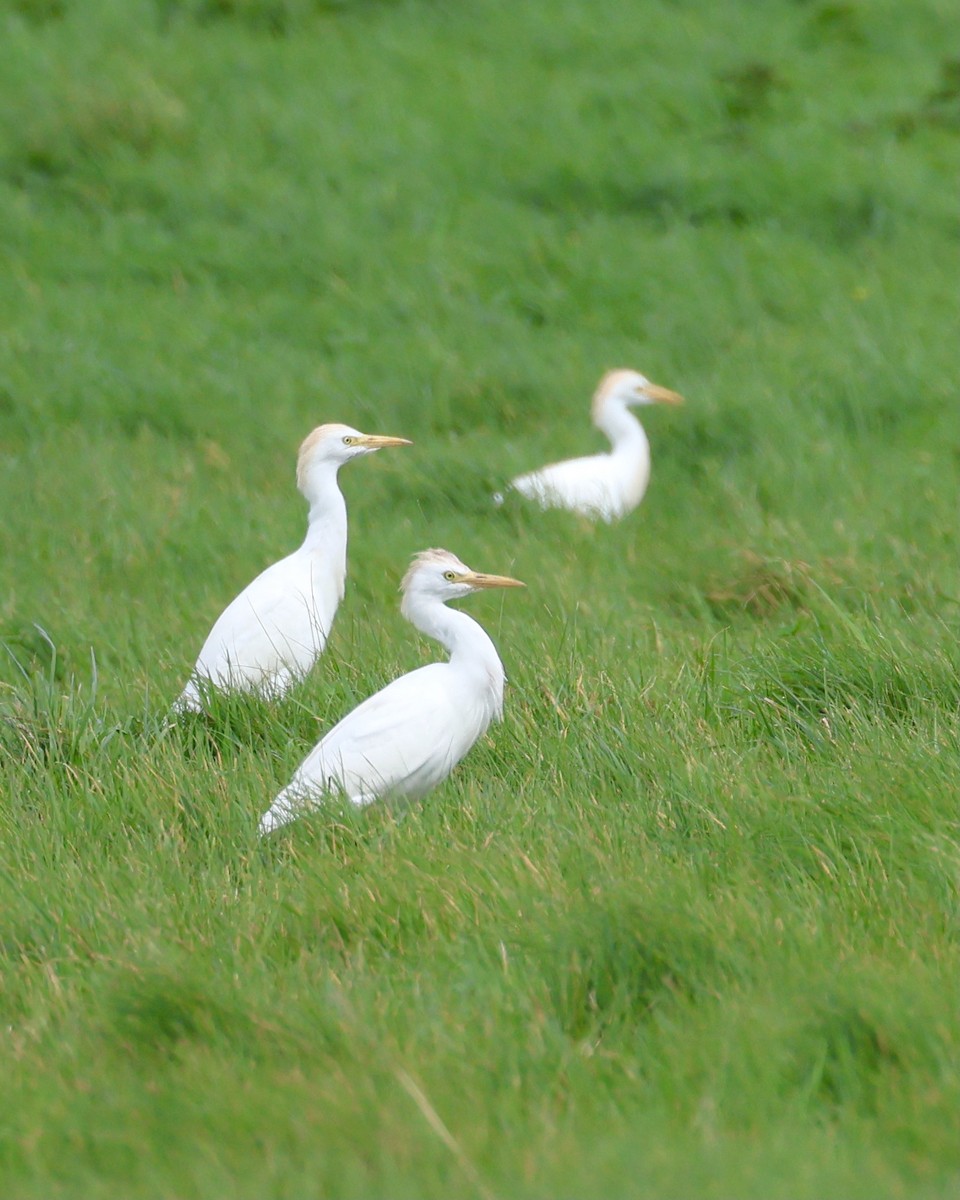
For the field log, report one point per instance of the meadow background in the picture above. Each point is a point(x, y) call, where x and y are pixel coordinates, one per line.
point(686, 923)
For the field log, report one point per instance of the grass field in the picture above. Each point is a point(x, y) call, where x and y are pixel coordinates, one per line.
point(686, 923)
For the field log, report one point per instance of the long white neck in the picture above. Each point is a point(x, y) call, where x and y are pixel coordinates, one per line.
point(467, 642)
point(327, 521)
point(621, 427)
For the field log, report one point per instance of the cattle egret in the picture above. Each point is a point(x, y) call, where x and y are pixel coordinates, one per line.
point(604, 486)
point(408, 737)
point(273, 632)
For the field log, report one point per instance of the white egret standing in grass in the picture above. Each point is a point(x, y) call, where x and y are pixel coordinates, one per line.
point(604, 486)
point(273, 632)
point(408, 737)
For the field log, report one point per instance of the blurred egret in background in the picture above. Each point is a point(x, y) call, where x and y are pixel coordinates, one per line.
point(405, 739)
point(273, 632)
point(603, 486)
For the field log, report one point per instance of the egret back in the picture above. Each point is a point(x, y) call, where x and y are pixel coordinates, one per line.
point(402, 741)
point(600, 486)
point(273, 632)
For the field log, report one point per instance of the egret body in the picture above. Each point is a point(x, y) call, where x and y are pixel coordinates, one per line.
point(604, 486)
point(408, 737)
point(273, 632)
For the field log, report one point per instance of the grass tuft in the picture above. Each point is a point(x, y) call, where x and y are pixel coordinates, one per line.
point(618, 961)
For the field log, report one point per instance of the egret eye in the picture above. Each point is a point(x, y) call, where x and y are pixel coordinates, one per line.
point(348, 441)
point(450, 575)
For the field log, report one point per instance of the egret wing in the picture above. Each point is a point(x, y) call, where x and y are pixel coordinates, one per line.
point(277, 625)
point(403, 740)
point(581, 484)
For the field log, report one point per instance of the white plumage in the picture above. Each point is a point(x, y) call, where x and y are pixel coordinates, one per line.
point(273, 632)
point(408, 737)
point(604, 486)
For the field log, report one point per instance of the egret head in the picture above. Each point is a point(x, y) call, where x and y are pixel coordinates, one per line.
point(629, 388)
point(328, 447)
point(440, 575)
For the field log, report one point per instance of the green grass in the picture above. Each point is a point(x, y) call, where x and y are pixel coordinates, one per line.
point(686, 923)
